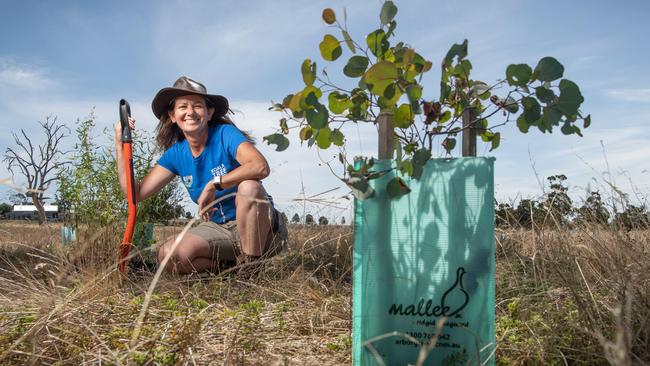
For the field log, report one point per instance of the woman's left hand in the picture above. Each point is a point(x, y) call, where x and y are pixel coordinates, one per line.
point(205, 199)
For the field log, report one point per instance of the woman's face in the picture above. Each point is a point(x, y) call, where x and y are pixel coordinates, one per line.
point(190, 113)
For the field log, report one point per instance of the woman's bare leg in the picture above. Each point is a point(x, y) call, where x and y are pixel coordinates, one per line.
point(253, 217)
point(193, 253)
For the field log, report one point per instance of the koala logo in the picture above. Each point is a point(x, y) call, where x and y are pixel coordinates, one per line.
point(187, 181)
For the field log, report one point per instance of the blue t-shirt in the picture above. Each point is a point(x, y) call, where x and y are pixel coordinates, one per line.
point(218, 158)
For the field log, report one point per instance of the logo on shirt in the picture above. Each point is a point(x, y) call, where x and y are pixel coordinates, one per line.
point(219, 170)
point(187, 181)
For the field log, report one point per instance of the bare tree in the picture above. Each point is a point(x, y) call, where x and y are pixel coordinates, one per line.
point(37, 163)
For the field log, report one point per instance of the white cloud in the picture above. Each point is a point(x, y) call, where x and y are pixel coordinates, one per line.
point(20, 78)
point(221, 45)
point(641, 95)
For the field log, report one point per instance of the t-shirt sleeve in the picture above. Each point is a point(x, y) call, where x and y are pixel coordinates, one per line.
point(168, 160)
point(232, 138)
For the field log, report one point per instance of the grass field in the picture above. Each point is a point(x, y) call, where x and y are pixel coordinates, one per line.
point(564, 297)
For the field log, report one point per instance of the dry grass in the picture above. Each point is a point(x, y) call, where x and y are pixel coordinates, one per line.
point(68, 306)
point(579, 296)
point(564, 296)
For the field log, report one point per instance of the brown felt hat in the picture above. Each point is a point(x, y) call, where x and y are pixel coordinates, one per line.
point(185, 86)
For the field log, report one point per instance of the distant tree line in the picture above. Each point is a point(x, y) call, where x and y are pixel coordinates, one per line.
point(557, 209)
point(309, 220)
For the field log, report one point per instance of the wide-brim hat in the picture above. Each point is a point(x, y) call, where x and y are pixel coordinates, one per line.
point(184, 86)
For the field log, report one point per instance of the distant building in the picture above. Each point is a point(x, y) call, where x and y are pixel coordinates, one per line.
point(29, 212)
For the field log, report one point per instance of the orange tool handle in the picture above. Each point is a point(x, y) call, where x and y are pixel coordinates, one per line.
point(127, 148)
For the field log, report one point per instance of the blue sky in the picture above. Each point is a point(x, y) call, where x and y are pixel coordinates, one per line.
point(65, 58)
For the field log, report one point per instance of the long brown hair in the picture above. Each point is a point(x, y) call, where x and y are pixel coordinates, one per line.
point(168, 133)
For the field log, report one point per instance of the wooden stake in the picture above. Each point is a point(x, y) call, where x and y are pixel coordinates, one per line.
point(469, 132)
point(385, 122)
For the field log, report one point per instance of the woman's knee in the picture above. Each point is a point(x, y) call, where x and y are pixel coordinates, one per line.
point(250, 189)
point(180, 257)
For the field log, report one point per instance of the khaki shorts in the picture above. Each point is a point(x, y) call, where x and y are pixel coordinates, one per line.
point(225, 244)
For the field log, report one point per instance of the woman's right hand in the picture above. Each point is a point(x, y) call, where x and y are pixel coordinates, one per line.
point(118, 129)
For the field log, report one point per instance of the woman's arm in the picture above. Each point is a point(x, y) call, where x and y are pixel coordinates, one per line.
point(154, 181)
point(252, 165)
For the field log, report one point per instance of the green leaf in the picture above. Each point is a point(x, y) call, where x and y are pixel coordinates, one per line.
point(449, 144)
point(392, 94)
point(551, 116)
point(545, 95)
point(309, 97)
point(377, 43)
point(414, 99)
point(323, 138)
point(463, 69)
point(317, 118)
point(548, 69)
point(511, 105)
point(532, 109)
point(306, 133)
point(356, 66)
point(445, 91)
point(569, 129)
point(286, 101)
point(360, 188)
point(417, 171)
point(421, 156)
point(421, 65)
point(380, 75)
point(348, 41)
point(496, 140)
point(276, 107)
point(294, 104)
point(308, 70)
point(403, 117)
point(587, 121)
point(480, 89)
point(397, 187)
point(410, 147)
point(283, 126)
point(329, 16)
point(406, 167)
point(337, 137)
point(330, 48)
point(391, 29)
point(519, 74)
point(414, 92)
point(577, 131)
point(310, 89)
point(338, 102)
point(457, 50)
point(388, 12)
point(444, 117)
point(389, 92)
point(408, 55)
point(570, 98)
point(360, 104)
point(522, 124)
point(277, 139)
point(486, 136)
